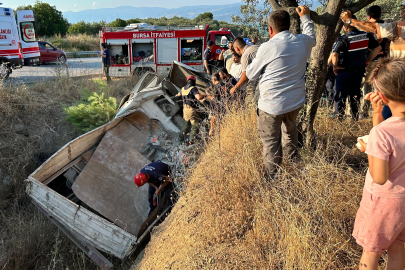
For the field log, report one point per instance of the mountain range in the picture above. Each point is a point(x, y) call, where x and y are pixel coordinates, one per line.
point(220, 12)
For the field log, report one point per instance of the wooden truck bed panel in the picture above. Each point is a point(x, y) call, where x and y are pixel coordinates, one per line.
point(94, 229)
point(107, 185)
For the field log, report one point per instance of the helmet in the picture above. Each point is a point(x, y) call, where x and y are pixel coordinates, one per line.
point(191, 77)
point(140, 179)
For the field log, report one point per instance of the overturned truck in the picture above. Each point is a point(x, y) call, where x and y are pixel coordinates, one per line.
point(87, 188)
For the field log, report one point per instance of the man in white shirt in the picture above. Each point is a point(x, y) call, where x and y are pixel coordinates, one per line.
point(236, 68)
point(280, 64)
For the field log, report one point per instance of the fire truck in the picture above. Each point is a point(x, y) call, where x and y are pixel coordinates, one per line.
point(18, 41)
point(139, 48)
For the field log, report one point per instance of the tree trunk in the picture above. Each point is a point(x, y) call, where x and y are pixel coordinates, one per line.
point(326, 34)
point(295, 19)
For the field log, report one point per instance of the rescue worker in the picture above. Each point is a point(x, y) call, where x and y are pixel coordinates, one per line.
point(106, 62)
point(354, 47)
point(208, 60)
point(191, 97)
point(157, 175)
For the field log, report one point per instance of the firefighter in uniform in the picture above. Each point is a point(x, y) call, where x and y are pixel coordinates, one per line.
point(353, 49)
point(191, 97)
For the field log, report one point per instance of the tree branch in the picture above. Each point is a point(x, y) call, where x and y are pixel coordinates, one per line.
point(358, 5)
point(276, 6)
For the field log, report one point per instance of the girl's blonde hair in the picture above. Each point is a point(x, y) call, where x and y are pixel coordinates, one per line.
point(388, 77)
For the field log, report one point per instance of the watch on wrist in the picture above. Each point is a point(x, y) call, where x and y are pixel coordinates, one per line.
point(349, 21)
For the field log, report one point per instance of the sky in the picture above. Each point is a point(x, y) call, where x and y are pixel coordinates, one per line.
point(77, 5)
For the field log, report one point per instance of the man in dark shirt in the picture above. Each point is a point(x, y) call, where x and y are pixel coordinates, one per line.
point(353, 48)
point(106, 61)
point(208, 61)
point(228, 80)
point(191, 97)
point(157, 175)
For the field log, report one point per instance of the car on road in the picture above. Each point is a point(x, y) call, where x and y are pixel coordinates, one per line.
point(50, 54)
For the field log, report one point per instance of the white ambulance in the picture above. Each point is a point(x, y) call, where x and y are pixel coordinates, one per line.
point(18, 41)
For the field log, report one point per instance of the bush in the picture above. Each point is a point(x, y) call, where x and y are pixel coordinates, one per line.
point(96, 111)
point(74, 43)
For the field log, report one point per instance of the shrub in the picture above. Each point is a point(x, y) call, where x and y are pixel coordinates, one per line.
point(95, 112)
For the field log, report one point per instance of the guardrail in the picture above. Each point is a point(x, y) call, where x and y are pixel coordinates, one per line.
point(83, 54)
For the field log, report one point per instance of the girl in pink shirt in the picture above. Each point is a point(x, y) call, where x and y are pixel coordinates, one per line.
point(380, 220)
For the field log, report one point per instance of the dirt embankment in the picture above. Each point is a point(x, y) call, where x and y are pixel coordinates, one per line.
point(229, 217)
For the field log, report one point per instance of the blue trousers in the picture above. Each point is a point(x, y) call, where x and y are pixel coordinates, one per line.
point(348, 86)
point(167, 191)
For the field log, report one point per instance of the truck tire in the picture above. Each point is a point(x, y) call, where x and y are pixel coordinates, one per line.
point(5, 70)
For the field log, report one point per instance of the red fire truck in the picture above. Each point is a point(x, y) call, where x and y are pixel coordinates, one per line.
point(138, 48)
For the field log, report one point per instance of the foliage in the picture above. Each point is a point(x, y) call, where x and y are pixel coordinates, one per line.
point(202, 19)
point(48, 20)
point(253, 20)
point(94, 111)
point(83, 27)
point(118, 23)
point(390, 10)
point(74, 43)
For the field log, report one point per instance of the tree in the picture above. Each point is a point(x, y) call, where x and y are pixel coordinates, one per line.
point(328, 26)
point(133, 21)
point(118, 23)
point(205, 16)
point(78, 28)
point(48, 20)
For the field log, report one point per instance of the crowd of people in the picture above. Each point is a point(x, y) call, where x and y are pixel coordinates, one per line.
point(272, 78)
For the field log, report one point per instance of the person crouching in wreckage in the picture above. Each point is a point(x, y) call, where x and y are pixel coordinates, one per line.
point(191, 97)
point(157, 175)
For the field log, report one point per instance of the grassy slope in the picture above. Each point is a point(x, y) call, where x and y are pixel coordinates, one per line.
point(31, 130)
point(74, 43)
point(229, 217)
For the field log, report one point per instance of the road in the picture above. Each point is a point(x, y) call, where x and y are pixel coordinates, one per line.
point(76, 67)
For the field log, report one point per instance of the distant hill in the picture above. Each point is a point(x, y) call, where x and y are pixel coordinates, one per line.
point(221, 13)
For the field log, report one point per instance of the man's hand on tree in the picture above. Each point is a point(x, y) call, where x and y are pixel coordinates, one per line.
point(345, 16)
point(303, 10)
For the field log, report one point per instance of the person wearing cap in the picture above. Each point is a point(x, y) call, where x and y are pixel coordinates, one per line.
point(353, 49)
point(191, 97)
point(208, 61)
point(157, 175)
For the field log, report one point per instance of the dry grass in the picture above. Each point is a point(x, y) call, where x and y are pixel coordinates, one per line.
point(31, 130)
point(229, 217)
point(74, 43)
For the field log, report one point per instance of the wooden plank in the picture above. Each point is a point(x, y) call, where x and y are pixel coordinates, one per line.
point(106, 183)
point(96, 231)
point(71, 151)
point(93, 253)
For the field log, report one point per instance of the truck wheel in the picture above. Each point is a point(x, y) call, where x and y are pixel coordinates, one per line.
point(4, 70)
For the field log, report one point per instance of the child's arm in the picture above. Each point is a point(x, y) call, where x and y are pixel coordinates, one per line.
point(378, 169)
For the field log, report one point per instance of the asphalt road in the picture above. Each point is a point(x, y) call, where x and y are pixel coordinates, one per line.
point(76, 67)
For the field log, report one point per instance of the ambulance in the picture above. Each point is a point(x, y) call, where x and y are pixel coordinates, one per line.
point(139, 48)
point(18, 41)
